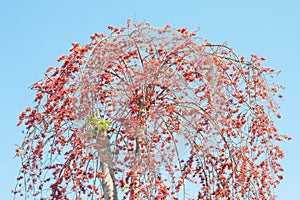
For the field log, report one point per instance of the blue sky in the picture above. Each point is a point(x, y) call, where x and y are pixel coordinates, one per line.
point(34, 33)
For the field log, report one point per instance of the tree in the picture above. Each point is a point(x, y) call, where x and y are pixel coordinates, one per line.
point(150, 113)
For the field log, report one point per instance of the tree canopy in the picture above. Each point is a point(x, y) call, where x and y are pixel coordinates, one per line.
point(152, 113)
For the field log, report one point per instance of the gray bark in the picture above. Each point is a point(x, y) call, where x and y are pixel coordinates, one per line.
point(108, 182)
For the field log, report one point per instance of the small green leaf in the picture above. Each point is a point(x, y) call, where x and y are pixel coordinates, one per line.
point(96, 123)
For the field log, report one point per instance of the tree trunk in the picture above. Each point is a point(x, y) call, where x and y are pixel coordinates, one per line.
point(136, 172)
point(108, 182)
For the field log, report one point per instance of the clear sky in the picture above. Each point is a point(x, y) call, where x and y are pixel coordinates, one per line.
point(35, 32)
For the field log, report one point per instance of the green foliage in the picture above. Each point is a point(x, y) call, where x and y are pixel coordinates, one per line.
point(97, 124)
